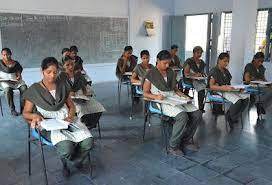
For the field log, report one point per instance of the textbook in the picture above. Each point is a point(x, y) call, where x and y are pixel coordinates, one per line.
point(54, 124)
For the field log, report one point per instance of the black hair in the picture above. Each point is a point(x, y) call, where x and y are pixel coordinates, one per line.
point(64, 50)
point(258, 55)
point(144, 52)
point(198, 48)
point(49, 61)
point(128, 48)
point(7, 50)
point(223, 55)
point(65, 59)
point(74, 48)
point(174, 46)
point(164, 55)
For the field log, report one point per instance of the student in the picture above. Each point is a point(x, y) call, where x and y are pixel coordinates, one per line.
point(11, 69)
point(88, 111)
point(64, 52)
point(140, 71)
point(255, 71)
point(160, 83)
point(175, 62)
point(126, 63)
point(195, 67)
point(219, 79)
point(74, 56)
point(50, 98)
point(79, 63)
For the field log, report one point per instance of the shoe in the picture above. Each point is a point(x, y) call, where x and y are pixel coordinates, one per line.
point(192, 147)
point(230, 121)
point(66, 172)
point(176, 152)
point(14, 113)
point(203, 111)
point(85, 169)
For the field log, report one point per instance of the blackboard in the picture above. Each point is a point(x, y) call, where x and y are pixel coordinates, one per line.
point(34, 37)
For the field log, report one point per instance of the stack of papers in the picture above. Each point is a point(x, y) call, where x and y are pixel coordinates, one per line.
point(261, 82)
point(80, 97)
point(54, 124)
point(197, 78)
point(174, 101)
point(239, 86)
point(128, 73)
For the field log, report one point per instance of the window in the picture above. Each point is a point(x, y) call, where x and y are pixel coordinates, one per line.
point(261, 27)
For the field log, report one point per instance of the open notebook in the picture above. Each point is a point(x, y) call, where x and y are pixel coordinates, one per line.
point(54, 124)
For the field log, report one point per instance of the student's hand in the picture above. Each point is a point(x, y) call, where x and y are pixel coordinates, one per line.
point(18, 77)
point(160, 97)
point(228, 88)
point(36, 120)
point(198, 75)
point(69, 119)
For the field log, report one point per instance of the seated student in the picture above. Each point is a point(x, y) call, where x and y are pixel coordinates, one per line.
point(64, 52)
point(88, 111)
point(126, 63)
point(195, 67)
point(79, 63)
point(11, 72)
point(255, 71)
point(50, 98)
point(175, 62)
point(219, 79)
point(141, 69)
point(161, 83)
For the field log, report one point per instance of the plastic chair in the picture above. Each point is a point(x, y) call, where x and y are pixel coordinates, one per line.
point(217, 99)
point(151, 108)
point(124, 80)
point(136, 92)
point(35, 135)
point(1, 106)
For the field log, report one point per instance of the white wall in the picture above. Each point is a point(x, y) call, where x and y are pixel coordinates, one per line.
point(155, 10)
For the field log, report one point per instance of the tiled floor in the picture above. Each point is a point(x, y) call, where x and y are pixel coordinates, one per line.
point(122, 158)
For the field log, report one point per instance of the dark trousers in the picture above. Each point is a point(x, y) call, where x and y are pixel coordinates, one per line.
point(184, 127)
point(91, 120)
point(236, 110)
point(10, 96)
point(73, 154)
point(201, 97)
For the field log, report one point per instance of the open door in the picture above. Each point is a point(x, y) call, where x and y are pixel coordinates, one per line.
point(178, 28)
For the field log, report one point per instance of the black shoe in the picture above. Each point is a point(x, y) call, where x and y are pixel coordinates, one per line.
point(230, 121)
point(14, 113)
point(66, 172)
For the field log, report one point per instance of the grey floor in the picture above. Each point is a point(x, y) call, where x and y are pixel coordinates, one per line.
point(122, 158)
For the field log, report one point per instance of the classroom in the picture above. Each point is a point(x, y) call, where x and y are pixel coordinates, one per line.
point(136, 92)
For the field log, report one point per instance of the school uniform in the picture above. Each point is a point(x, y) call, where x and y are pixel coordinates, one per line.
point(186, 116)
point(51, 104)
point(259, 74)
point(239, 100)
point(9, 72)
point(175, 62)
point(130, 65)
point(199, 85)
point(88, 111)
